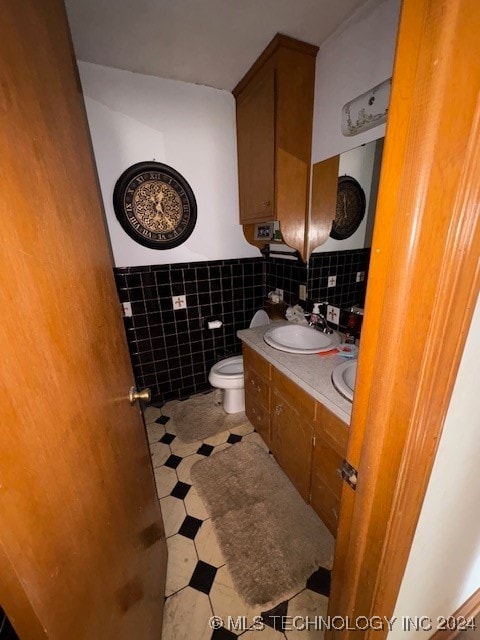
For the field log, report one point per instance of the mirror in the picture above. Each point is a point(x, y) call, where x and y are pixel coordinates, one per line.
point(361, 163)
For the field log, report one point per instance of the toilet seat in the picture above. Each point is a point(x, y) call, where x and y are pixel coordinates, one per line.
point(260, 318)
point(229, 368)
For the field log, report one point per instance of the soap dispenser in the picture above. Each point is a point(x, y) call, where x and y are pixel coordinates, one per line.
point(315, 315)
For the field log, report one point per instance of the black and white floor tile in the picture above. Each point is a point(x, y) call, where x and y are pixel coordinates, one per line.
point(199, 584)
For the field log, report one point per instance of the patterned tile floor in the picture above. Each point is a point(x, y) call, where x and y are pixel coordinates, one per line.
point(199, 584)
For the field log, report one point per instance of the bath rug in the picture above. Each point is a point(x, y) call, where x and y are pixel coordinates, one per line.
point(272, 541)
point(202, 416)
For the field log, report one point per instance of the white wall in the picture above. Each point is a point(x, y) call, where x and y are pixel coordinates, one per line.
point(443, 568)
point(350, 62)
point(136, 118)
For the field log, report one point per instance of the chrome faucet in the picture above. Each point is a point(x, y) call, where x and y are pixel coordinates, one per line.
point(321, 324)
point(324, 324)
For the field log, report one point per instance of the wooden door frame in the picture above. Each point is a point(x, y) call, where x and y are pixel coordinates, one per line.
point(423, 284)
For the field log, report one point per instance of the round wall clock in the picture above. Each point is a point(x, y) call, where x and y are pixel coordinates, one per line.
point(350, 208)
point(155, 205)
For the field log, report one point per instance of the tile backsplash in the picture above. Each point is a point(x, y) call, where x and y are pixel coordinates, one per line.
point(171, 347)
point(344, 267)
point(330, 277)
point(287, 275)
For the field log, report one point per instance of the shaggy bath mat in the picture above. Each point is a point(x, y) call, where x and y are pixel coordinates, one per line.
point(272, 541)
point(202, 416)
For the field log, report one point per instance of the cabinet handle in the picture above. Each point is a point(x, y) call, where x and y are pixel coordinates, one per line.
point(278, 409)
point(255, 387)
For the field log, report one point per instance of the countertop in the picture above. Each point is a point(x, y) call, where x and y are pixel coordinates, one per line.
point(312, 373)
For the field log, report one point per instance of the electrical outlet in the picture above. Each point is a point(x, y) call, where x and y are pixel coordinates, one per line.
point(279, 293)
point(302, 292)
point(127, 309)
point(360, 276)
point(332, 281)
point(179, 302)
point(333, 314)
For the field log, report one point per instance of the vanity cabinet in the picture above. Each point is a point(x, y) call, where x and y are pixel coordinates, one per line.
point(274, 105)
point(331, 439)
point(292, 431)
point(308, 441)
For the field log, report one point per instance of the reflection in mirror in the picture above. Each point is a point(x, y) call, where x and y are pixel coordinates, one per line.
point(337, 270)
point(361, 163)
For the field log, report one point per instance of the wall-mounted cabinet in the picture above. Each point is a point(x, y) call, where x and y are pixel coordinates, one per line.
point(274, 104)
point(274, 136)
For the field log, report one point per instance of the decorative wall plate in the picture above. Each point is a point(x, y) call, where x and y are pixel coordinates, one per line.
point(350, 208)
point(155, 205)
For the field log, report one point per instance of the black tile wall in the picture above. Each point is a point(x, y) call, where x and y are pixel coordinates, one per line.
point(344, 265)
point(286, 275)
point(172, 350)
point(289, 274)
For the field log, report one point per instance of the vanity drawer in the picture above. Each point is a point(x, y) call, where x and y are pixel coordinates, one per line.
point(254, 362)
point(332, 429)
point(296, 396)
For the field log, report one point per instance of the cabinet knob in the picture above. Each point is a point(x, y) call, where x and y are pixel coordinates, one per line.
point(278, 409)
point(267, 204)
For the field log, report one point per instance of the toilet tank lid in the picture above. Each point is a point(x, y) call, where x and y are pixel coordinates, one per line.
point(260, 318)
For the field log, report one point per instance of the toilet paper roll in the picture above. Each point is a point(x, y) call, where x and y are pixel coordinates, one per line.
point(215, 324)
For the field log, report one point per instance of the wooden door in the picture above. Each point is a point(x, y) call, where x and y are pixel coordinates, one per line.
point(82, 548)
point(256, 148)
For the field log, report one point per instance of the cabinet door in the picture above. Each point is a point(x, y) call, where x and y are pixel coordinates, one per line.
point(331, 435)
point(257, 392)
point(256, 148)
point(326, 484)
point(292, 439)
point(259, 417)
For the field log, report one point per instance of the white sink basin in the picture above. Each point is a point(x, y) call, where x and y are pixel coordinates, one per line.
point(294, 338)
point(343, 378)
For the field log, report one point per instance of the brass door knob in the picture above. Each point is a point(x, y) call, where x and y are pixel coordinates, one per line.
point(135, 395)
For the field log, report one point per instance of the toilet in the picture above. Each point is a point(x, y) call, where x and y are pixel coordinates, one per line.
point(228, 374)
